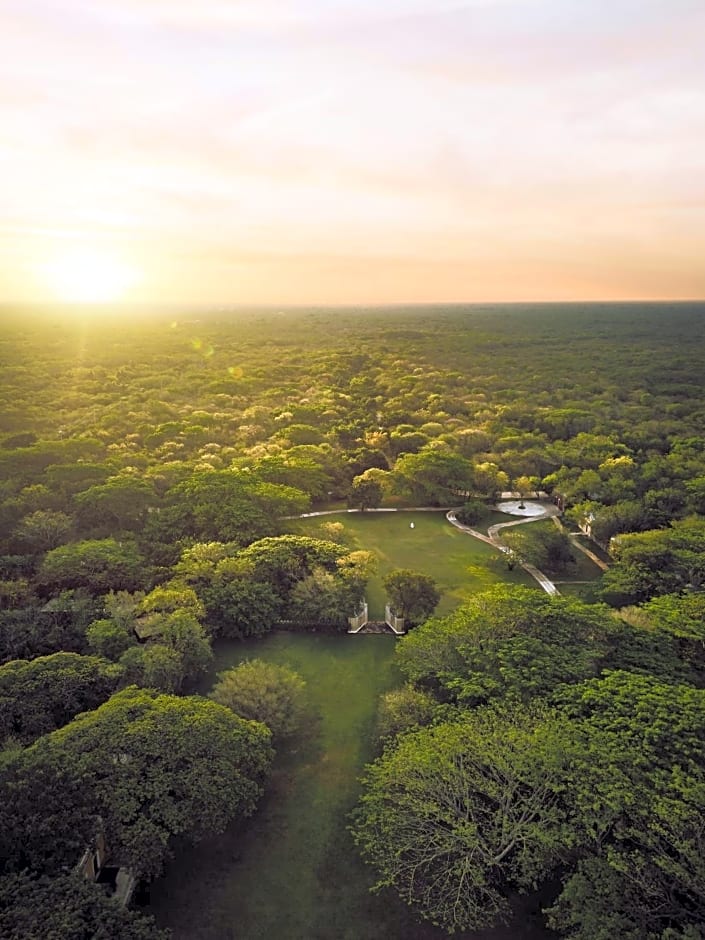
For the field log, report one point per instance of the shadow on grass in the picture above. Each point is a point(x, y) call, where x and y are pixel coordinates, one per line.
point(292, 872)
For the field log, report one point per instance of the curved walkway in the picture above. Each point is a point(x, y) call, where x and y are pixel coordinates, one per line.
point(576, 543)
point(337, 512)
point(493, 538)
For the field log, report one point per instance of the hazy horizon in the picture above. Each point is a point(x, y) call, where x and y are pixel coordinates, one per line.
point(180, 313)
point(335, 153)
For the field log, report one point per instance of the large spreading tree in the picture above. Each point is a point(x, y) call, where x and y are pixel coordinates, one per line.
point(38, 696)
point(143, 767)
point(636, 793)
point(67, 906)
point(603, 786)
point(97, 565)
point(508, 641)
point(455, 814)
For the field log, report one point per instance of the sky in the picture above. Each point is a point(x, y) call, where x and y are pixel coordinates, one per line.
point(351, 151)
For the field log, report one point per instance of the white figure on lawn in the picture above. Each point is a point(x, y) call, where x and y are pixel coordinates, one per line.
point(411, 525)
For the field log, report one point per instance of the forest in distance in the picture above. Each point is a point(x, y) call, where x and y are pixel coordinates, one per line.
point(551, 746)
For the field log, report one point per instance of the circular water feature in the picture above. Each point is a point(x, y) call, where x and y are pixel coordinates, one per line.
point(521, 507)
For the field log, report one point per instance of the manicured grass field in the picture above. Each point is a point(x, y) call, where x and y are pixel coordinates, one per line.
point(292, 871)
point(459, 564)
point(584, 568)
point(493, 517)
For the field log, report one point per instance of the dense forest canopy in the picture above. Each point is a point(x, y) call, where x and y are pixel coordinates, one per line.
point(148, 467)
point(304, 399)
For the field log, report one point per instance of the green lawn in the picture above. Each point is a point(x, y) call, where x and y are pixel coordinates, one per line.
point(582, 591)
point(460, 564)
point(584, 568)
point(492, 518)
point(581, 579)
point(291, 872)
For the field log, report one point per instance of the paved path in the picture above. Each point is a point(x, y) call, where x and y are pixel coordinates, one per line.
point(493, 538)
point(337, 512)
point(576, 543)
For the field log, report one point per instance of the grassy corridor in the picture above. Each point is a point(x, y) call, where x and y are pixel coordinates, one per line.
point(291, 872)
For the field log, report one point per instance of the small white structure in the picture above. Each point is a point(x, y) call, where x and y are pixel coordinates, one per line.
point(358, 622)
point(396, 624)
point(411, 525)
point(518, 507)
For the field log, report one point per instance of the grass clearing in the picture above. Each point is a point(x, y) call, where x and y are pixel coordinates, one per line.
point(581, 590)
point(493, 517)
point(584, 568)
point(459, 564)
point(292, 872)
point(579, 580)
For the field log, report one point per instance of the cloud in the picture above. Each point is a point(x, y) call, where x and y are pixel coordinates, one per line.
point(410, 129)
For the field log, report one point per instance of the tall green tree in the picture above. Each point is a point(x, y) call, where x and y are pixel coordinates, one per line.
point(185, 635)
point(266, 692)
point(434, 476)
point(46, 693)
point(296, 470)
point(681, 616)
point(119, 504)
point(455, 814)
point(233, 506)
point(237, 603)
point(365, 492)
point(109, 639)
point(330, 597)
point(488, 479)
point(404, 709)
point(148, 766)
point(238, 606)
point(508, 641)
point(66, 905)
point(660, 561)
point(636, 790)
point(98, 565)
point(44, 529)
point(285, 560)
point(412, 595)
point(170, 598)
point(154, 666)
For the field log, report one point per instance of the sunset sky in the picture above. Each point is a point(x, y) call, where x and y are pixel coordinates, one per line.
point(351, 151)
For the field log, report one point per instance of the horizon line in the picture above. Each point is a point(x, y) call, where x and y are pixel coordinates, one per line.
point(320, 305)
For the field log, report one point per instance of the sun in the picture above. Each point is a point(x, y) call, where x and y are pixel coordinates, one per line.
point(88, 275)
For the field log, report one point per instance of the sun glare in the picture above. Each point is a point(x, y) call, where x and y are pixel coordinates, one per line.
point(87, 275)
